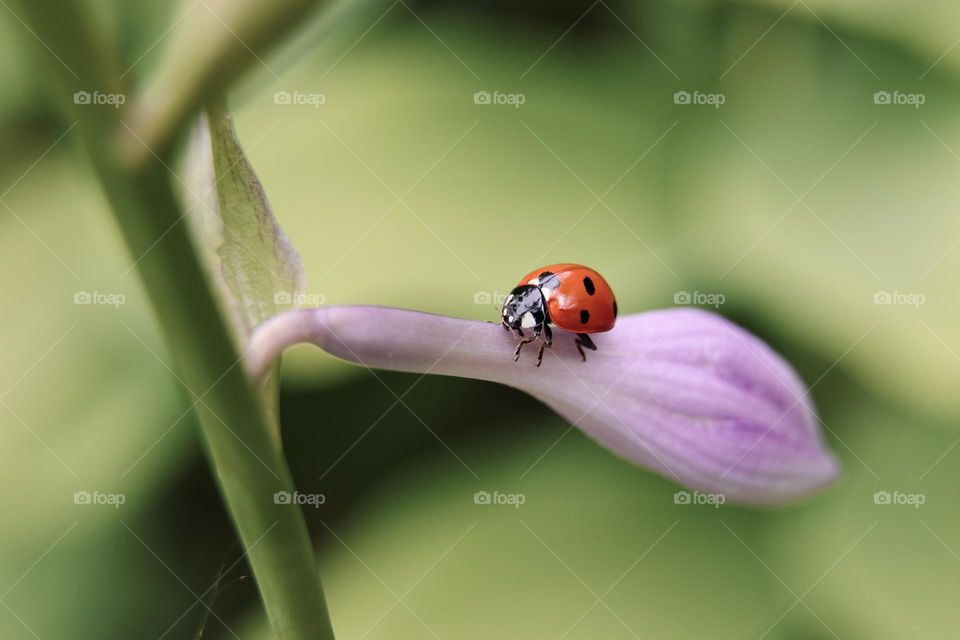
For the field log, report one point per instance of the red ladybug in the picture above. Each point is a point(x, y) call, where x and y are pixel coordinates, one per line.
point(573, 297)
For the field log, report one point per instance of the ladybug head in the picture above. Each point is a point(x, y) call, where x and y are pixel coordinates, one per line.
point(524, 308)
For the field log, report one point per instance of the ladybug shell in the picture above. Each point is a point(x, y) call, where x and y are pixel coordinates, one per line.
point(579, 300)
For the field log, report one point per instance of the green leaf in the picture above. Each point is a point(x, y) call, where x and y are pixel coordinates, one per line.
point(250, 258)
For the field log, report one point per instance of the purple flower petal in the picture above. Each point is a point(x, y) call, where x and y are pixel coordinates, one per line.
point(683, 392)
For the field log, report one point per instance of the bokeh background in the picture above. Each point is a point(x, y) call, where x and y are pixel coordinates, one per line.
point(822, 213)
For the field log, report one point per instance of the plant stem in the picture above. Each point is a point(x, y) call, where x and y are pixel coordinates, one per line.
point(250, 468)
point(207, 54)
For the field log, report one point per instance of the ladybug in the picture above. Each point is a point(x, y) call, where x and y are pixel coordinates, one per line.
point(573, 297)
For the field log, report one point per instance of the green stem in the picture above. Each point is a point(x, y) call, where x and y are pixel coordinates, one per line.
point(207, 54)
point(249, 466)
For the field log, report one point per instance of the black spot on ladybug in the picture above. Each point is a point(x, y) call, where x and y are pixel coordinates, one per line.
point(614, 308)
point(584, 316)
point(588, 285)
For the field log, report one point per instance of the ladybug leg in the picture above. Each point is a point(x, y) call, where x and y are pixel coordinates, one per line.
point(583, 340)
point(547, 342)
point(516, 353)
point(536, 334)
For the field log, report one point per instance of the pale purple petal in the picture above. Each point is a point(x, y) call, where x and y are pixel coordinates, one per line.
point(683, 392)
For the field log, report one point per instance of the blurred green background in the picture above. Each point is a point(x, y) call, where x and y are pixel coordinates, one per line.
point(806, 199)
